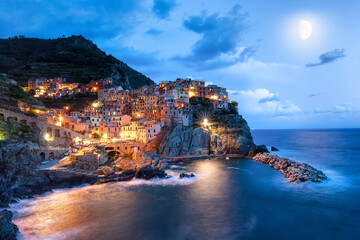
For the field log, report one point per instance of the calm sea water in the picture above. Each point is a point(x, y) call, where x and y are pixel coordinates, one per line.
point(229, 199)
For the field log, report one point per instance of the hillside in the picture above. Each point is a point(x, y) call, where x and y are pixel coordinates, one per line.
point(75, 58)
point(11, 93)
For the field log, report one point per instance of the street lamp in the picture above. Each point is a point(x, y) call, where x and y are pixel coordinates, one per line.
point(47, 136)
point(205, 122)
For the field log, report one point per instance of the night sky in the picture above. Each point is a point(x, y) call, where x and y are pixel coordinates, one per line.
point(254, 48)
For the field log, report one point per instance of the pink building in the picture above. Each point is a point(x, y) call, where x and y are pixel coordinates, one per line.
point(109, 129)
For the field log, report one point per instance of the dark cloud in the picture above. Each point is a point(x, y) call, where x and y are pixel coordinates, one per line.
point(153, 32)
point(162, 8)
point(95, 19)
point(328, 57)
point(269, 99)
point(220, 39)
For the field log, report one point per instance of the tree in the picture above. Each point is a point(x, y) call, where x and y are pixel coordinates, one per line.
point(233, 107)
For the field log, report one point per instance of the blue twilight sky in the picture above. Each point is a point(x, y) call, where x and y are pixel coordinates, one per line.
point(251, 47)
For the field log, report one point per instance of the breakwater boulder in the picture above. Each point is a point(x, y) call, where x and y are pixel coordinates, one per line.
point(8, 230)
point(292, 170)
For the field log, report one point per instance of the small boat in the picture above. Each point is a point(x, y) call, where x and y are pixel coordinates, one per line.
point(227, 158)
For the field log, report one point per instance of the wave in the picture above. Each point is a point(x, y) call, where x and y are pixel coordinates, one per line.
point(172, 181)
point(240, 169)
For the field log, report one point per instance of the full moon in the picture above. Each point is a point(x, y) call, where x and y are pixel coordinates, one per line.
point(305, 29)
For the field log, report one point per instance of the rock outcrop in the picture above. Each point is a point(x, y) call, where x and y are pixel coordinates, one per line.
point(185, 175)
point(230, 134)
point(8, 230)
point(19, 166)
point(257, 149)
point(274, 149)
point(145, 166)
point(226, 134)
point(185, 141)
point(292, 170)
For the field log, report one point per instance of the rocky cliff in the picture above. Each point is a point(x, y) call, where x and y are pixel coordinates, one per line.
point(19, 165)
point(230, 134)
point(185, 141)
point(8, 230)
point(226, 134)
point(76, 58)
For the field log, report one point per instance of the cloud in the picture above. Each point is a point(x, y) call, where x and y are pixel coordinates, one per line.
point(247, 53)
point(269, 99)
point(263, 102)
point(328, 57)
point(220, 39)
point(337, 108)
point(258, 94)
point(153, 31)
point(162, 8)
point(342, 108)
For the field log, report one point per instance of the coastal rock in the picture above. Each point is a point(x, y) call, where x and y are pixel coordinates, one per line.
point(19, 171)
point(257, 149)
point(8, 230)
point(61, 178)
point(292, 170)
point(230, 134)
point(185, 175)
point(144, 166)
point(185, 141)
point(226, 134)
point(149, 172)
point(274, 149)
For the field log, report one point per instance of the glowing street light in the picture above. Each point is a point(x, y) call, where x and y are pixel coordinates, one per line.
point(47, 136)
point(205, 122)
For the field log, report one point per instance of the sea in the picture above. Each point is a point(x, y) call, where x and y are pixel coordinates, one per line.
point(228, 199)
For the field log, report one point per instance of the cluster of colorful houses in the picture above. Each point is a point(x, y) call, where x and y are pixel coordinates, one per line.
point(58, 87)
point(139, 114)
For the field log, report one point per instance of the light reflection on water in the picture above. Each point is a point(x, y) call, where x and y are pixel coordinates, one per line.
point(236, 199)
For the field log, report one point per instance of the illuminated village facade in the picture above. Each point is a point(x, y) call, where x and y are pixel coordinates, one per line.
point(137, 115)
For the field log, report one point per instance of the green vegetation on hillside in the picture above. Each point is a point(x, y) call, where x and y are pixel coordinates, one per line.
point(10, 131)
point(75, 58)
point(11, 93)
point(76, 102)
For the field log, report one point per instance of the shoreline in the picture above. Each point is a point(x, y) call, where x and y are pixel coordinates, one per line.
point(64, 179)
